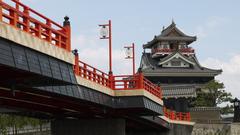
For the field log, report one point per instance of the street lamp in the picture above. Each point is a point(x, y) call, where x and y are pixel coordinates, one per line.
point(236, 103)
point(106, 33)
point(130, 54)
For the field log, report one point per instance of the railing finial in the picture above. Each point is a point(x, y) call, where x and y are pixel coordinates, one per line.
point(140, 70)
point(75, 52)
point(66, 21)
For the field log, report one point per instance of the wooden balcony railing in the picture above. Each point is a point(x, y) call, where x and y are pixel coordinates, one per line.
point(22, 17)
point(181, 116)
point(183, 50)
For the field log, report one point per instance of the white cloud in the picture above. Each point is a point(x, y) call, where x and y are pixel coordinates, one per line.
point(231, 72)
point(209, 26)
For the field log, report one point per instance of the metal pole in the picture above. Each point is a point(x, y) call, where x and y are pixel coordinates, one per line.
point(133, 47)
point(110, 46)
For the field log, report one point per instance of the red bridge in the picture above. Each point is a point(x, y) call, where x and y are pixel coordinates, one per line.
point(41, 77)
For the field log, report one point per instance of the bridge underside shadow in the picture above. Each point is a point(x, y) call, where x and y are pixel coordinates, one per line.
point(22, 66)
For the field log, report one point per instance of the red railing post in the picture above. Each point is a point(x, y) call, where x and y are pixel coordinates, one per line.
point(17, 17)
point(49, 31)
point(140, 79)
point(1, 11)
point(76, 66)
point(188, 116)
point(94, 75)
point(111, 81)
point(181, 117)
point(172, 115)
point(26, 20)
point(125, 84)
point(67, 27)
point(102, 79)
point(85, 70)
point(13, 21)
point(39, 30)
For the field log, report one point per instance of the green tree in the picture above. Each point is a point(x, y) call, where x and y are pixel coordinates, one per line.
point(213, 94)
point(17, 122)
point(3, 124)
point(227, 109)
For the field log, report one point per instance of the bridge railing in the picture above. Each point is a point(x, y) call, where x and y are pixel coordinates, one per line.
point(125, 82)
point(137, 81)
point(119, 82)
point(88, 72)
point(152, 88)
point(26, 19)
point(181, 116)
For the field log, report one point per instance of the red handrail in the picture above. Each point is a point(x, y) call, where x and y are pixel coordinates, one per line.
point(26, 19)
point(181, 116)
point(152, 88)
point(88, 72)
point(119, 82)
point(125, 82)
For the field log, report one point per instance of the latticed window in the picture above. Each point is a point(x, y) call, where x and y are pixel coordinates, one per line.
point(165, 46)
point(182, 46)
point(176, 63)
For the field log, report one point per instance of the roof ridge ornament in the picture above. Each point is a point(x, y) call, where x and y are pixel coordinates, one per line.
point(163, 28)
point(173, 22)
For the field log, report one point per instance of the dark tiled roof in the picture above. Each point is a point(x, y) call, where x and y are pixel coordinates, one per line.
point(150, 68)
point(164, 36)
point(176, 91)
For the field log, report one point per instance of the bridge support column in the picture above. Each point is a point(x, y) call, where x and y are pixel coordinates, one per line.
point(175, 130)
point(88, 127)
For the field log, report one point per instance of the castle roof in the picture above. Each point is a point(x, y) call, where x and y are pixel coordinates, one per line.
point(151, 67)
point(171, 33)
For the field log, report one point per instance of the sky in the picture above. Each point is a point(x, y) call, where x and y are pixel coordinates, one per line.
point(214, 22)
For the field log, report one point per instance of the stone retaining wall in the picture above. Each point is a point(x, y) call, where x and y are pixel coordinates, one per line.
point(216, 129)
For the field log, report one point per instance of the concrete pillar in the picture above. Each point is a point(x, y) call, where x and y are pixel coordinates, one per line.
point(164, 132)
point(88, 127)
point(175, 130)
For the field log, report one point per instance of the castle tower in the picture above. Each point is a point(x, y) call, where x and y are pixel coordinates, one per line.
point(171, 63)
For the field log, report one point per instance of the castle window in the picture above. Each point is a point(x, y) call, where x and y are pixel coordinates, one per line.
point(176, 63)
point(165, 46)
point(182, 46)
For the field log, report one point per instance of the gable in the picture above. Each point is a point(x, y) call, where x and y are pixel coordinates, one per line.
point(174, 33)
point(176, 63)
point(177, 60)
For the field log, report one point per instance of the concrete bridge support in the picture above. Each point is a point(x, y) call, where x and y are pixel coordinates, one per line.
point(110, 127)
point(176, 129)
point(88, 127)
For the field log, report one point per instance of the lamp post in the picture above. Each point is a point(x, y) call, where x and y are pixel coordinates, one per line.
point(236, 104)
point(106, 33)
point(130, 54)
